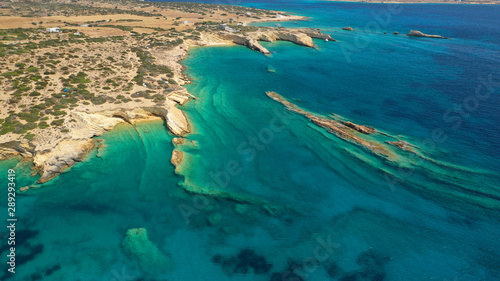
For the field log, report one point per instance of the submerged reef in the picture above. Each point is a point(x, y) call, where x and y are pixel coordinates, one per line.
point(150, 259)
point(27, 251)
point(292, 272)
point(243, 262)
point(397, 158)
point(45, 273)
point(270, 208)
point(371, 267)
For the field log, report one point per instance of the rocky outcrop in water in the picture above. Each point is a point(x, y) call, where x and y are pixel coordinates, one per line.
point(339, 128)
point(402, 145)
point(360, 128)
point(177, 141)
point(416, 33)
point(401, 154)
point(348, 28)
point(344, 132)
point(176, 158)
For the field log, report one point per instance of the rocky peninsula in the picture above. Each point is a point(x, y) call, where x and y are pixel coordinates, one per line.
point(251, 39)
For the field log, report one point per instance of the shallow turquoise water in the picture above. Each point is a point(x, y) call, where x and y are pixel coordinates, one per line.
point(440, 221)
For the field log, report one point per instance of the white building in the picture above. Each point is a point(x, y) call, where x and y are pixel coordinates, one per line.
point(185, 22)
point(53, 29)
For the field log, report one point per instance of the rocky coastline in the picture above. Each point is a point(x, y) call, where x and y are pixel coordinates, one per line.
point(300, 36)
point(54, 151)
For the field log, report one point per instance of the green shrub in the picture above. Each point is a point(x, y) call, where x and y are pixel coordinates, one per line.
point(79, 78)
point(10, 74)
point(98, 100)
point(57, 122)
point(43, 125)
point(50, 102)
point(59, 106)
point(35, 77)
point(29, 116)
point(59, 113)
point(29, 136)
point(40, 106)
point(14, 100)
point(32, 69)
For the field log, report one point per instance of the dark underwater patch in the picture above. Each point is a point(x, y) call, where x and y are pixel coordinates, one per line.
point(291, 273)
point(371, 267)
point(245, 261)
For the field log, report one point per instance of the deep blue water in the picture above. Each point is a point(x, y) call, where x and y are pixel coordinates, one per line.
point(337, 217)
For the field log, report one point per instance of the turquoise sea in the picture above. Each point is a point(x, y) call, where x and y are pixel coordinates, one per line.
point(315, 207)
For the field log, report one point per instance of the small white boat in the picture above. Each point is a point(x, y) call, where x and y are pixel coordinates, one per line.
point(278, 25)
point(326, 39)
